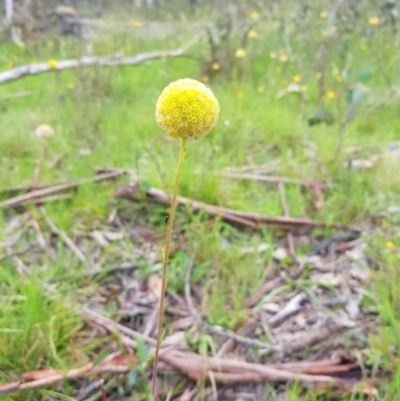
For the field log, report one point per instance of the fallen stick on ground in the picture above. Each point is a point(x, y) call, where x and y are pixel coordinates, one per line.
point(110, 61)
point(312, 339)
point(196, 367)
point(248, 219)
point(227, 371)
point(44, 378)
point(67, 241)
point(216, 329)
point(22, 188)
point(270, 178)
point(17, 200)
point(17, 253)
point(45, 199)
point(292, 307)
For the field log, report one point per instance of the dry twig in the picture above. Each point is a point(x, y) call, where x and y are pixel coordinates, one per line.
point(220, 331)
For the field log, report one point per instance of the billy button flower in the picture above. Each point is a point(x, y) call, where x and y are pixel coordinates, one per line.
point(185, 109)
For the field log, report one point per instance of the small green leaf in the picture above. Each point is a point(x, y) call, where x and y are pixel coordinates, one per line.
point(365, 74)
point(358, 93)
point(144, 186)
point(320, 116)
point(142, 350)
point(132, 379)
point(100, 358)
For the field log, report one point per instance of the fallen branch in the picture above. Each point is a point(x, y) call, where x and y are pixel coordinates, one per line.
point(20, 199)
point(313, 339)
point(111, 61)
point(18, 253)
point(227, 371)
point(217, 329)
point(44, 378)
point(292, 307)
point(46, 199)
point(68, 241)
point(248, 219)
point(270, 178)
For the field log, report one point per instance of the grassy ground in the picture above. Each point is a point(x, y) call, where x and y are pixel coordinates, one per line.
point(111, 113)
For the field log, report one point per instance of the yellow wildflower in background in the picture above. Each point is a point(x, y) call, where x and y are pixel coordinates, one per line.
point(52, 63)
point(339, 78)
point(127, 48)
point(187, 108)
point(9, 65)
point(389, 244)
point(303, 88)
point(216, 66)
point(70, 85)
point(364, 47)
point(49, 44)
point(252, 33)
point(21, 44)
point(261, 89)
point(318, 75)
point(205, 79)
point(373, 20)
point(254, 15)
point(136, 24)
point(323, 14)
point(33, 62)
point(279, 69)
point(331, 95)
point(240, 95)
point(272, 55)
point(283, 57)
point(240, 53)
point(297, 78)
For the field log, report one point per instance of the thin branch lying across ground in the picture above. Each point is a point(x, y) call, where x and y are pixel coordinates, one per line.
point(269, 178)
point(110, 61)
point(248, 219)
point(20, 199)
point(220, 331)
point(68, 241)
point(45, 378)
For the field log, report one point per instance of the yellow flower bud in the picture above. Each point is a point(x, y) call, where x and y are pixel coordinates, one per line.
point(52, 63)
point(297, 78)
point(331, 95)
point(373, 20)
point(187, 108)
point(240, 53)
point(254, 15)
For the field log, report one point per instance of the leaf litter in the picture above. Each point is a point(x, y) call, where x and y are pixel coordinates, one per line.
point(305, 322)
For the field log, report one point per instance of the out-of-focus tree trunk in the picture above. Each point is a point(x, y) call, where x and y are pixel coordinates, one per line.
point(9, 9)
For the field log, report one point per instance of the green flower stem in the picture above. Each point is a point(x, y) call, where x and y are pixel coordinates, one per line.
point(165, 262)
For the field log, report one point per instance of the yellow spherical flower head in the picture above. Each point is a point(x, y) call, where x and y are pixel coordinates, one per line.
point(187, 108)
